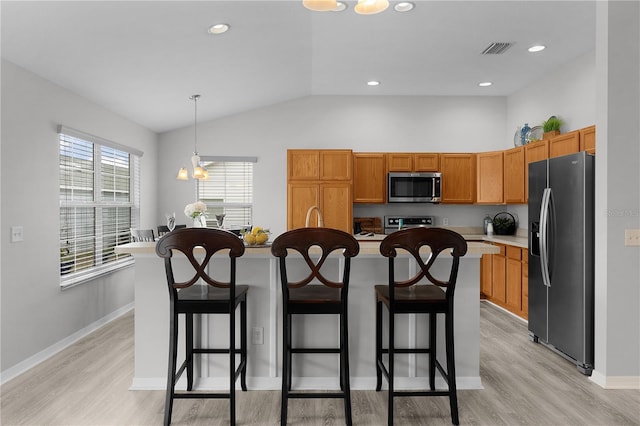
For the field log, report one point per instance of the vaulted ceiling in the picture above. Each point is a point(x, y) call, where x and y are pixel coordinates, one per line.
point(143, 59)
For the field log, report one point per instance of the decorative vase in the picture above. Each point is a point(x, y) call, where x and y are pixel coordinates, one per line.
point(200, 221)
point(523, 133)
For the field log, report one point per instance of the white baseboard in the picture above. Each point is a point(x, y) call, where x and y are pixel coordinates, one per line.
point(304, 383)
point(615, 382)
point(505, 310)
point(32, 361)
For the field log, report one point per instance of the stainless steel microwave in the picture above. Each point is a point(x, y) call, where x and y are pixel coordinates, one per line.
point(414, 187)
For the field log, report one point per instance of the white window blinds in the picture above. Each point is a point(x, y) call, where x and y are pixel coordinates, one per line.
point(228, 190)
point(99, 201)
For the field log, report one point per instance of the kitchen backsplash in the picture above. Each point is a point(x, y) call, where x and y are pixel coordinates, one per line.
point(444, 214)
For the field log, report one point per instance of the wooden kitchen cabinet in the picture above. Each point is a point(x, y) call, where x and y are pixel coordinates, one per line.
point(458, 178)
point(399, 161)
point(303, 164)
point(514, 176)
point(588, 139)
point(426, 162)
point(504, 279)
point(486, 276)
point(490, 178)
point(498, 269)
point(336, 205)
point(413, 162)
point(525, 283)
point(536, 151)
point(566, 143)
point(336, 164)
point(322, 178)
point(301, 196)
point(513, 279)
point(369, 178)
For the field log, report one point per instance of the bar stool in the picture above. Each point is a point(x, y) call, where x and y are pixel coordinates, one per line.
point(303, 298)
point(217, 297)
point(407, 297)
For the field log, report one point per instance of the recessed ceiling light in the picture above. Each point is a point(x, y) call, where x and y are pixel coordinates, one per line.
point(373, 83)
point(536, 48)
point(404, 6)
point(340, 7)
point(219, 29)
point(485, 84)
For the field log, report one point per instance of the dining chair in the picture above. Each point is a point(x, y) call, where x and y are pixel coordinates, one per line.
point(139, 235)
point(415, 296)
point(199, 246)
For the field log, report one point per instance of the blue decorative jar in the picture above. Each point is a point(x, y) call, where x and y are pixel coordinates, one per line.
point(523, 133)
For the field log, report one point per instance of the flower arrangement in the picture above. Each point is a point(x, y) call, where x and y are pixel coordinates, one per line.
point(196, 209)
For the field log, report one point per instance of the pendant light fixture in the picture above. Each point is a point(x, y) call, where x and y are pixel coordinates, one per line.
point(371, 7)
point(320, 5)
point(198, 172)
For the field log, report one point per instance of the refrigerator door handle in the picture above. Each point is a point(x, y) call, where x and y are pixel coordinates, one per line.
point(544, 241)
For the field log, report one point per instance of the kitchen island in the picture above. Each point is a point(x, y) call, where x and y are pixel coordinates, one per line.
point(259, 269)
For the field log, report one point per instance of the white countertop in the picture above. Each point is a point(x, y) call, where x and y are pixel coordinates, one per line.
point(469, 234)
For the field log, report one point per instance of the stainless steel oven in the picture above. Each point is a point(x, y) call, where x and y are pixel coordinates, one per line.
point(394, 223)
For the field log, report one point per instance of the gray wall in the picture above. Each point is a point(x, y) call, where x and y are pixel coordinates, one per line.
point(36, 313)
point(617, 354)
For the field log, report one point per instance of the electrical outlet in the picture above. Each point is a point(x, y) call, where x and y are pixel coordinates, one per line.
point(257, 336)
point(16, 234)
point(632, 237)
point(445, 221)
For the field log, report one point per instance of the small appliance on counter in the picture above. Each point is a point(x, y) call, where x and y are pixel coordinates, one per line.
point(395, 223)
point(367, 224)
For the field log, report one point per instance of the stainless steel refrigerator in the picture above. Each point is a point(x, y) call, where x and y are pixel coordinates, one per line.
point(561, 256)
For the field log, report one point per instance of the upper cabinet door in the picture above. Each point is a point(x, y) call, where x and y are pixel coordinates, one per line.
point(426, 162)
point(303, 164)
point(514, 175)
point(490, 178)
point(458, 178)
point(567, 143)
point(336, 164)
point(399, 162)
point(413, 162)
point(369, 178)
point(536, 151)
point(588, 139)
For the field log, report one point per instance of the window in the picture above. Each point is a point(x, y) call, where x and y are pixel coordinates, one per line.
point(99, 203)
point(228, 190)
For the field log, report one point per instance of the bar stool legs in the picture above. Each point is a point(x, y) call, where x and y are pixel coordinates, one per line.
point(288, 350)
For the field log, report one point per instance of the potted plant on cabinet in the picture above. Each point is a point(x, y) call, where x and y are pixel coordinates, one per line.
point(551, 127)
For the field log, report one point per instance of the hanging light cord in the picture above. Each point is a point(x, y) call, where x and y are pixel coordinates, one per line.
point(195, 125)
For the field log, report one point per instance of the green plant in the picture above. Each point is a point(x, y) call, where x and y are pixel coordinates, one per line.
point(551, 124)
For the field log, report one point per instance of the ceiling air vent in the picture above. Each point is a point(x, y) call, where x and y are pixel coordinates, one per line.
point(496, 48)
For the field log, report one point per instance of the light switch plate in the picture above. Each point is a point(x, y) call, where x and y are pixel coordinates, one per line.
point(257, 336)
point(632, 237)
point(16, 234)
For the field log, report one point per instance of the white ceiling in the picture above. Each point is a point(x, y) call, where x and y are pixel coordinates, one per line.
point(143, 59)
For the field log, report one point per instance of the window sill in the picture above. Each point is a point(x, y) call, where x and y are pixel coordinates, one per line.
point(79, 278)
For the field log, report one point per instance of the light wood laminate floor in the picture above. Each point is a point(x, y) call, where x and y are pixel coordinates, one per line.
point(524, 383)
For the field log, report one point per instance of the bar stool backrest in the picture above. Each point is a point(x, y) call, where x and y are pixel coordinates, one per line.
point(210, 241)
point(302, 240)
point(412, 240)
